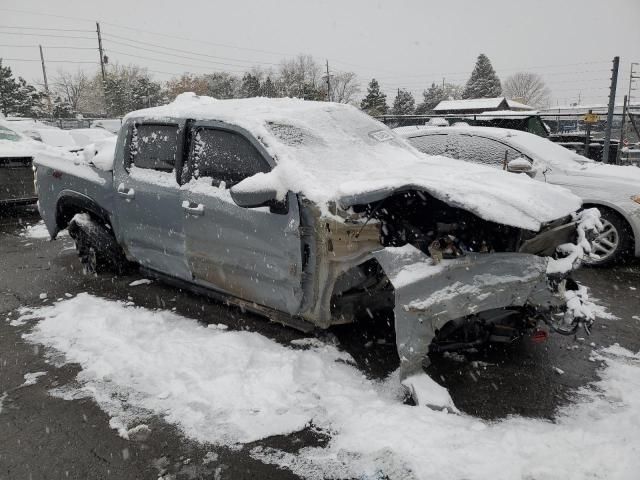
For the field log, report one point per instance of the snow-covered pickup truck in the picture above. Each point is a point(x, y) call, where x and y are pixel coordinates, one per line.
point(314, 214)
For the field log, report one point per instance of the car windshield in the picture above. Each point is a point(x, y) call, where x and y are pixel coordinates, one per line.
point(6, 134)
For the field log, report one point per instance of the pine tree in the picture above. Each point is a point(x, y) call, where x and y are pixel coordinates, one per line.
point(17, 97)
point(403, 104)
point(483, 83)
point(268, 89)
point(375, 103)
point(250, 86)
point(430, 98)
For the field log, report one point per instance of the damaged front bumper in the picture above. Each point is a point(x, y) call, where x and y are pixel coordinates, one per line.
point(429, 295)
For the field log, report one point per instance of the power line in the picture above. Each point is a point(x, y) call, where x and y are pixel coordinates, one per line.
point(48, 29)
point(108, 38)
point(46, 35)
point(48, 46)
point(161, 60)
point(48, 61)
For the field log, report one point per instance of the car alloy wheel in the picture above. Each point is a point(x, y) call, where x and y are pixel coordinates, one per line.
point(605, 244)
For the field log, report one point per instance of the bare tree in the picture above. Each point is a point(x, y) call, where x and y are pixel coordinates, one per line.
point(187, 82)
point(344, 87)
point(301, 77)
point(71, 87)
point(527, 87)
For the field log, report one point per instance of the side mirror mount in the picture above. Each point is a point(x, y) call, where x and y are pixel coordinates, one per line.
point(520, 165)
point(253, 199)
point(260, 198)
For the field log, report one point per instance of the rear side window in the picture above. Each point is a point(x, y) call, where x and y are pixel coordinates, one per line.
point(431, 144)
point(154, 146)
point(485, 151)
point(224, 156)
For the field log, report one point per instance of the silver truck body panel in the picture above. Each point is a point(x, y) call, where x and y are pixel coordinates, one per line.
point(427, 296)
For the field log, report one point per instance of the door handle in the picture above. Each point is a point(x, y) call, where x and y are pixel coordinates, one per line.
point(128, 193)
point(193, 209)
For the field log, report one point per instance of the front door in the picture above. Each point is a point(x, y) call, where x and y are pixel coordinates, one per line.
point(250, 253)
point(148, 204)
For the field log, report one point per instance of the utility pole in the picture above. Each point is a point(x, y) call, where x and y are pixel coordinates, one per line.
point(46, 82)
point(612, 106)
point(100, 50)
point(328, 83)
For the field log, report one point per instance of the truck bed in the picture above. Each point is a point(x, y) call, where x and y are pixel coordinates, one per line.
point(61, 176)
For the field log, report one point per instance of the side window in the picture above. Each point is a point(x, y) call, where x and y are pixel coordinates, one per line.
point(485, 151)
point(154, 146)
point(224, 156)
point(432, 144)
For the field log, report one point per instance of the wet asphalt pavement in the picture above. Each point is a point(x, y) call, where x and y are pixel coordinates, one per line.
point(44, 437)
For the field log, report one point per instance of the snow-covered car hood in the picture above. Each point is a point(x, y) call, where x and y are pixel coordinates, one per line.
point(332, 152)
point(493, 195)
point(614, 180)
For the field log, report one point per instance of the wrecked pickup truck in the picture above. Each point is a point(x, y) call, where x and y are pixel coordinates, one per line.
point(314, 214)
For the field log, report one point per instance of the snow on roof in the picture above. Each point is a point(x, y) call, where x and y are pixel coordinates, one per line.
point(330, 151)
point(518, 105)
point(507, 114)
point(478, 104)
point(532, 145)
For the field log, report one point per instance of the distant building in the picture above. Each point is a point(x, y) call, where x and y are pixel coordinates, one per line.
point(479, 105)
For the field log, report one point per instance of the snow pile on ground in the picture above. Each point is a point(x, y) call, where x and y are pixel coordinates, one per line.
point(226, 387)
point(32, 378)
point(38, 231)
point(330, 151)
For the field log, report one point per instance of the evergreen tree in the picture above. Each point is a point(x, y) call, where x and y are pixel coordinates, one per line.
point(403, 104)
point(436, 94)
point(483, 83)
point(430, 98)
point(17, 97)
point(268, 89)
point(250, 86)
point(61, 108)
point(375, 103)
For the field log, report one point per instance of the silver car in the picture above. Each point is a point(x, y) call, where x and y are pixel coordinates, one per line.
point(614, 190)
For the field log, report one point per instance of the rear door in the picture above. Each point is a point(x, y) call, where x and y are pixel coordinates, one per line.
point(250, 253)
point(149, 215)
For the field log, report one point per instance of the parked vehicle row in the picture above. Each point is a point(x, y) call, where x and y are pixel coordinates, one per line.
point(314, 214)
point(22, 140)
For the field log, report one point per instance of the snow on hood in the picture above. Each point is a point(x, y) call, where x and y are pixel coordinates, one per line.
point(329, 151)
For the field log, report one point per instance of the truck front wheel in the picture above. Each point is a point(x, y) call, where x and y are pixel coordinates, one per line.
point(97, 247)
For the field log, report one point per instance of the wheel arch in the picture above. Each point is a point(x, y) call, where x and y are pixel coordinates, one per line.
point(70, 203)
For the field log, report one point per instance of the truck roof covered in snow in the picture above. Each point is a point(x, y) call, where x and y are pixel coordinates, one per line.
point(334, 152)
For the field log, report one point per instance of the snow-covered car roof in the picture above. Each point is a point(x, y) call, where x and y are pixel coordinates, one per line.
point(335, 153)
point(86, 136)
point(530, 144)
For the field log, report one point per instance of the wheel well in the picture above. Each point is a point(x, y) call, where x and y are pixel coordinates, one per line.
point(70, 205)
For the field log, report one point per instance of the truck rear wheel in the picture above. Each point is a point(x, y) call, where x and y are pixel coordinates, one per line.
point(97, 247)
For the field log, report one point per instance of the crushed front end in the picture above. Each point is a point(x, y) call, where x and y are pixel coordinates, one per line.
point(458, 281)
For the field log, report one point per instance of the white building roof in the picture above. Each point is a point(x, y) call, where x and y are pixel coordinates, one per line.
point(479, 104)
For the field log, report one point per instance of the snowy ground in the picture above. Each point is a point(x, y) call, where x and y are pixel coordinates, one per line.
point(232, 387)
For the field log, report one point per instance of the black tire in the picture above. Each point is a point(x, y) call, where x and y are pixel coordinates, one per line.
point(97, 247)
point(614, 243)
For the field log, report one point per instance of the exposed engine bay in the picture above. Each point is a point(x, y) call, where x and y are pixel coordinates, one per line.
point(447, 239)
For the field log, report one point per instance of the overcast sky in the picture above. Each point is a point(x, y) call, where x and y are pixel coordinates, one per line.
point(403, 43)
